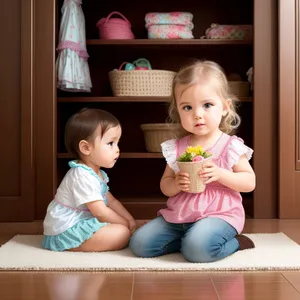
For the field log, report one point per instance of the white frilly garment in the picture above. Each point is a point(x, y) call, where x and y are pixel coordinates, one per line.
point(72, 68)
point(236, 148)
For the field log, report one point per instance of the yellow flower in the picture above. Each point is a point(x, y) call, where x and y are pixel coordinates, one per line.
point(189, 149)
point(199, 150)
point(194, 150)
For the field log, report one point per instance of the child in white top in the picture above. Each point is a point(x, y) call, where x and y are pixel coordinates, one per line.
point(84, 215)
point(205, 226)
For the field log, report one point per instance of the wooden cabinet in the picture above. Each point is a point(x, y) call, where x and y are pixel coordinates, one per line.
point(289, 109)
point(16, 113)
point(135, 178)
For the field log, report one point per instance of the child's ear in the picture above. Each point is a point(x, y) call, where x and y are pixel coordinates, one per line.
point(227, 105)
point(84, 147)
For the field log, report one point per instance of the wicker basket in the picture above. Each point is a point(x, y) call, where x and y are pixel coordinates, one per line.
point(114, 28)
point(157, 133)
point(141, 82)
point(239, 88)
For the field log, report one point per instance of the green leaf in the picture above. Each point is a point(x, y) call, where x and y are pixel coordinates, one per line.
point(185, 157)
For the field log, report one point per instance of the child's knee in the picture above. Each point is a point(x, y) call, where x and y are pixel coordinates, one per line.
point(197, 251)
point(124, 232)
point(138, 244)
point(121, 236)
point(135, 244)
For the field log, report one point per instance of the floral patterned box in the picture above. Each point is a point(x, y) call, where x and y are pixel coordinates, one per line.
point(235, 32)
point(169, 32)
point(169, 18)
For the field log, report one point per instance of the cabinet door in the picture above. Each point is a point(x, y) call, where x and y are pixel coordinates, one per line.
point(16, 152)
point(265, 108)
point(289, 109)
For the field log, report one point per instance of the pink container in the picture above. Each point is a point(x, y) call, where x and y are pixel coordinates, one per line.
point(141, 68)
point(114, 28)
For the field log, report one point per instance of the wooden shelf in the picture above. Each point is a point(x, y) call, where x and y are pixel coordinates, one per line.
point(126, 99)
point(164, 42)
point(155, 199)
point(114, 99)
point(123, 155)
point(144, 208)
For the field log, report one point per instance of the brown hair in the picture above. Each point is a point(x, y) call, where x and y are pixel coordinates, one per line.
point(82, 126)
point(195, 74)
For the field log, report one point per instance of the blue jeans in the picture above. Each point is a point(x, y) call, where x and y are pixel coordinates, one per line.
point(206, 240)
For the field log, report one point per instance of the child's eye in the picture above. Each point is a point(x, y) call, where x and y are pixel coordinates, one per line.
point(207, 105)
point(187, 108)
point(110, 143)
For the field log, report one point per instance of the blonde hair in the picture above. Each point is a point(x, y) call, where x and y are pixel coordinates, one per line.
point(194, 74)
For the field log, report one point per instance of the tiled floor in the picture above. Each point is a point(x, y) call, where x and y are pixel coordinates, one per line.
point(155, 285)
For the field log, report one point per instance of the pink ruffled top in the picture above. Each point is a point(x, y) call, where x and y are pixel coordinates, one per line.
point(216, 200)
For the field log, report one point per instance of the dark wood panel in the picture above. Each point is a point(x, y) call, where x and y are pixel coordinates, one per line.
point(297, 100)
point(125, 99)
point(122, 155)
point(265, 109)
point(16, 115)
point(113, 99)
point(45, 104)
point(289, 178)
point(10, 111)
point(165, 42)
point(144, 210)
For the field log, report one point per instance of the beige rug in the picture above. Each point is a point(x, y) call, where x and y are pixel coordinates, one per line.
point(273, 251)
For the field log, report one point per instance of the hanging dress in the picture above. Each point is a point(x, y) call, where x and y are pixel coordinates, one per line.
point(72, 68)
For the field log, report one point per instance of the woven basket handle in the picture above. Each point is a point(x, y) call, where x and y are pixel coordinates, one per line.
point(118, 13)
point(143, 62)
point(122, 64)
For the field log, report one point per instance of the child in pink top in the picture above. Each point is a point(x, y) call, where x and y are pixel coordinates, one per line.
point(205, 226)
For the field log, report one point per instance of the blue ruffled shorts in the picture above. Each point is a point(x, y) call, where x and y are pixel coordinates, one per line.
point(74, 236)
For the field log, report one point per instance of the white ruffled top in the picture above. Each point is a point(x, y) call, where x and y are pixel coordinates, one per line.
point(80, 185)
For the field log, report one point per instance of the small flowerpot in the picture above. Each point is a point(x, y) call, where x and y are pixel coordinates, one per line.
point(193, 168)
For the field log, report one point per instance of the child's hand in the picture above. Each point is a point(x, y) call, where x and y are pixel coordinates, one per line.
point(210, 172)
point(132, 226)
point(182, 180)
